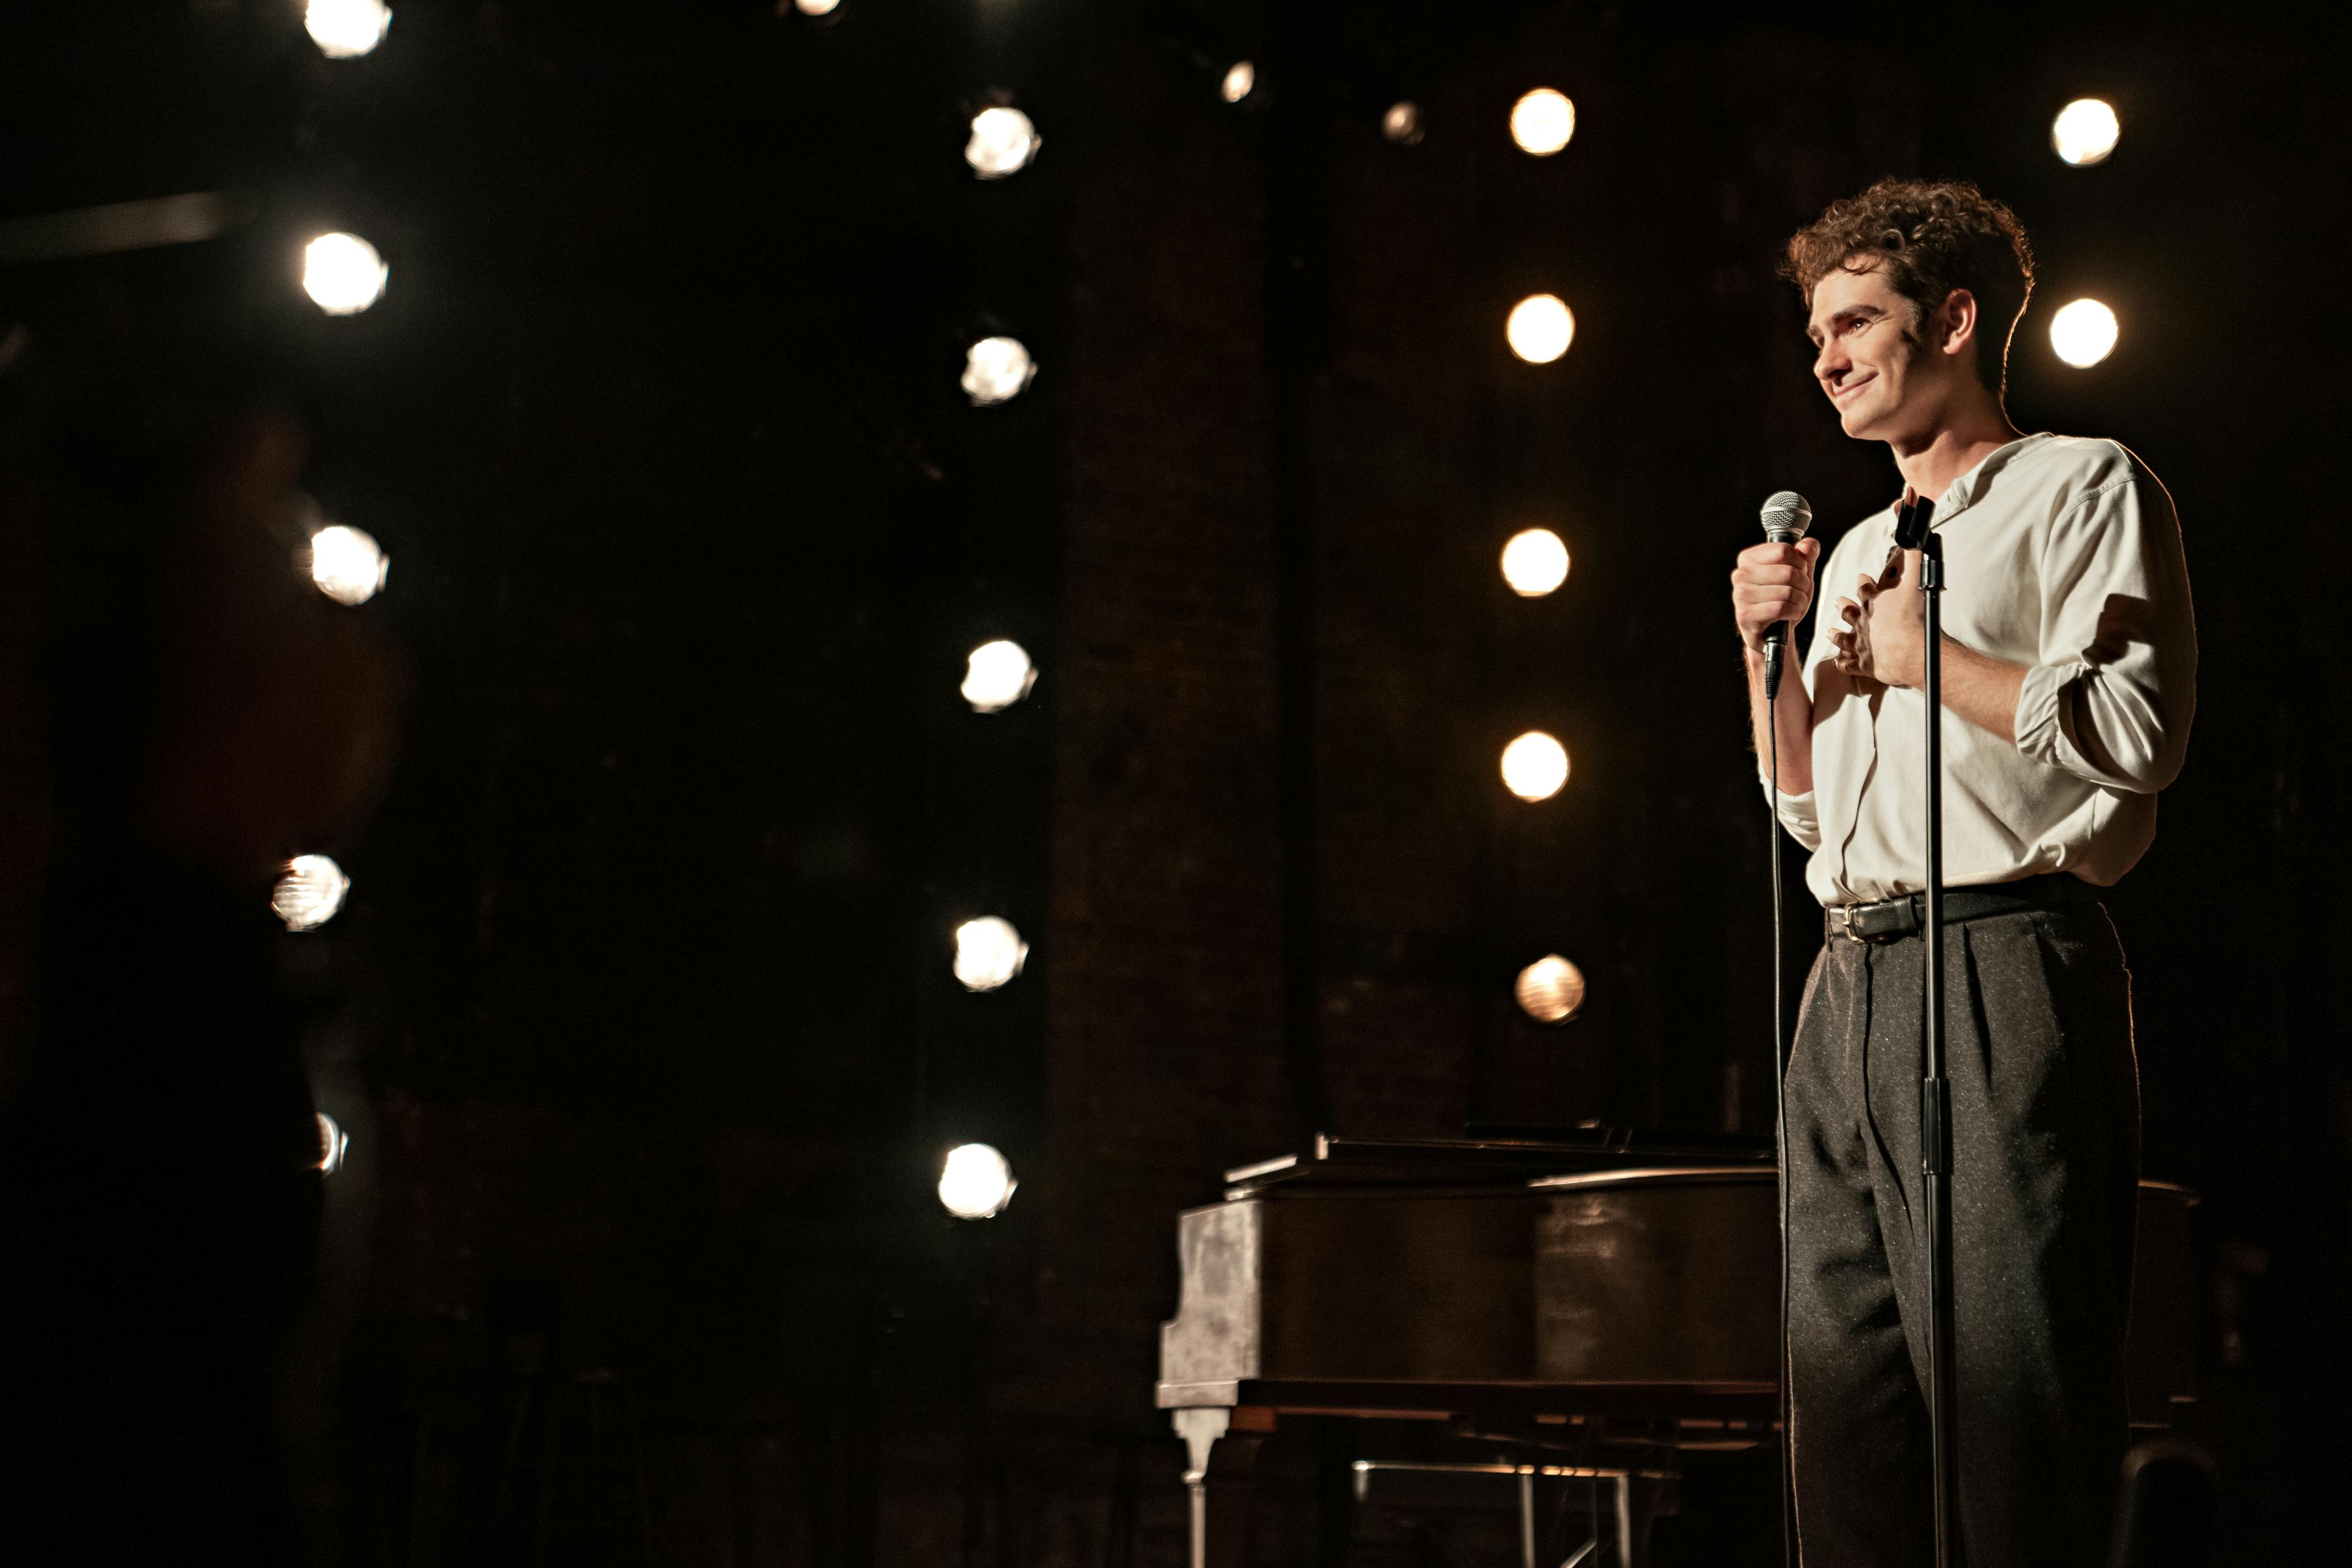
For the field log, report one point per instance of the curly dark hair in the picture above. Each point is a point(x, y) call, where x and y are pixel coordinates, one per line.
point(1931, 238)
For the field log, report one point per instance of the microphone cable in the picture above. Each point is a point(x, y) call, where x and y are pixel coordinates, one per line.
point(1789, 1553)
point(1786, 516)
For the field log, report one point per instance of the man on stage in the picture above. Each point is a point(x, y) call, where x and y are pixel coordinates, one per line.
point(2069, 667)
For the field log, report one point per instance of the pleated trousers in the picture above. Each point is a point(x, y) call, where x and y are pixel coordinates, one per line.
point(2045, 1130)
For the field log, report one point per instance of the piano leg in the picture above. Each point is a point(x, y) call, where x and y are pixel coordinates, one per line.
point(1221, 1443)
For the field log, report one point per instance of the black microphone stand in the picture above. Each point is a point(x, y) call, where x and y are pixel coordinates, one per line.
point(1915, 530)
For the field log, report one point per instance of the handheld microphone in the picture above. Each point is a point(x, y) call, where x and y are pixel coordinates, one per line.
point(1786, 515)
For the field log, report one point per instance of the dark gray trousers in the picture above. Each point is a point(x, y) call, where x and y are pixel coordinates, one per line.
point(2045, 1112)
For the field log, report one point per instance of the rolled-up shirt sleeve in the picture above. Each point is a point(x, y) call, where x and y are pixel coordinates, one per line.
point(1797, 814)
point(2111, 695)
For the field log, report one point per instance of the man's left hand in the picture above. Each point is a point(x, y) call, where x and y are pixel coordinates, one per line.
point(1885, 638)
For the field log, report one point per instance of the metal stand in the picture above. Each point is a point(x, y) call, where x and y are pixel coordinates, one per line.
point(1408, 1486)
point(1934, 1092)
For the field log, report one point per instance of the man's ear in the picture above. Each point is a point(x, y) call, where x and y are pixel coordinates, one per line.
point(1956, 323)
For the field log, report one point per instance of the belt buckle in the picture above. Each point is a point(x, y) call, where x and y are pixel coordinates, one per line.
point(1848, 921)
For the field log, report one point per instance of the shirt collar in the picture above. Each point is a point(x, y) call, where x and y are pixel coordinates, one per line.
point(1964, 492)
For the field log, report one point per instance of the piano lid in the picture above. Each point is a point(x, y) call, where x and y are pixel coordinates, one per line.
point(1500, 1156)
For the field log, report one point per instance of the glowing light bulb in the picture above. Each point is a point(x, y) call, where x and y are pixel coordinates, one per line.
point(997, 370)
point(989, 954)
point(1402, 124)
point(309, 892)
point(1540, 327)
point(2085, 131)
point(1542, 122)
point(1550, 989)
point(1535, 766)
point(1002, 142)
point(1535, 563)
point(997, 675)
point(333, 1143)
point(976, 1183)
point(343, 274)
point(344, 29)
point(816, 7)
point(347, 563)
point(1240, 80)
point(2083, 332)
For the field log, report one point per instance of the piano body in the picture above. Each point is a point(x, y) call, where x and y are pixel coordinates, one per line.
point(1535, 1290)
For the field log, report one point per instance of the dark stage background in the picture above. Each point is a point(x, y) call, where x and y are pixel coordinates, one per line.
point(640, 1015)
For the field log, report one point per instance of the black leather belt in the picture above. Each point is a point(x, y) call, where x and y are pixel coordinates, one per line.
point(1891, 919)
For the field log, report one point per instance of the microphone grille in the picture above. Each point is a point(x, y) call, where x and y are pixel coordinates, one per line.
point(1786, 512)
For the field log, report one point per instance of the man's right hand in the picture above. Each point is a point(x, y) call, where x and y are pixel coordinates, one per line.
point(1772, 582)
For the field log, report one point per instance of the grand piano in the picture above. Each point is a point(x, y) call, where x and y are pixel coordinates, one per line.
point(1594, 1303)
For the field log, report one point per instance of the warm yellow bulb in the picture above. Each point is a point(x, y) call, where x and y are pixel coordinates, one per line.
point(309, 892)
point(1551, 989)
point(1535, 563)
point(345, 29)
point(997, 674)
point(1540, 327)
point(343, 274)
point(1542, 122)
point(347, 563)
point(989, 954)
point(975, 1182)
point(333, 1143)
point(1004, 142)
point(997, 370)
point(1535, 766)
point(2083, 333)
point(2085, 131)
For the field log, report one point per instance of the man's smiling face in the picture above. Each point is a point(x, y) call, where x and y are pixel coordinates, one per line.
point(1870, 353)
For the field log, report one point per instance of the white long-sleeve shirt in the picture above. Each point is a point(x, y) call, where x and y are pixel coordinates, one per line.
point(2062, 554)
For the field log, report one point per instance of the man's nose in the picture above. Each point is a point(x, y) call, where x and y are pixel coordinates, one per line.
point(1831, 361)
